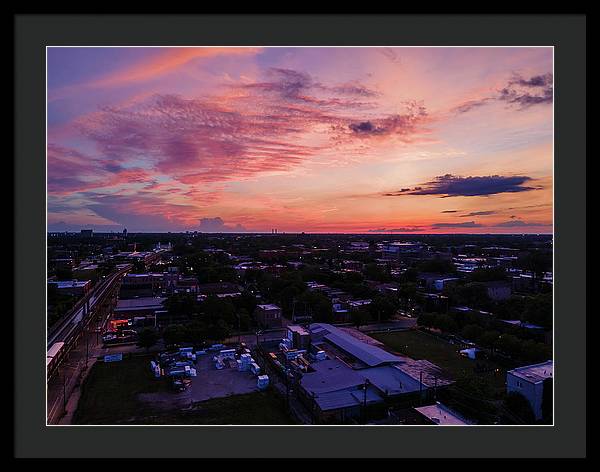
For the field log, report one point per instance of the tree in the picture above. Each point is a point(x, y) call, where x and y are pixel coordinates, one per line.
point(319, 305)
point(472, 332)
point(537, 262)
point(426, 319)
point(510, 345)
point(488, 274)
point(438, 266)
point(147, 338)
point(547, 395)
point(445, 323)
point(383, 307)
point(359, 317)
point(375, 272)
point(489, 339)
point(218, 331)
point(473, 294)
point(520, 407)
point(181, 304)
point(64, 274)
point(538, 310)
point(174, 334)
point(407, 292)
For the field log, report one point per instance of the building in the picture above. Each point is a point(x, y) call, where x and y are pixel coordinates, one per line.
point(427, 280)
point(442, 415)
point(268, 316)
point(444, 282)
point(147, 258)
point(146, 284)
point(298, 336)
point(531, 381)
point(137, 307)
point(76, 288)
point(498, 290)
point(87, 233)
point(85, 270)
point(355, 266)
point(396, 250)
point(357, 376)
point(219, 289)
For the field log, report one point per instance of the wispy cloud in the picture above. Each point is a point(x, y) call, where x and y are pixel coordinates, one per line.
point(466, 224)
point(515, 223)
point(479, 213)
point(523, 92)
point(407, 229)
point(527, 92)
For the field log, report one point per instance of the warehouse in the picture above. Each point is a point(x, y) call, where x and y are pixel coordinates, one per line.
point(146, 306)
point(357, 376)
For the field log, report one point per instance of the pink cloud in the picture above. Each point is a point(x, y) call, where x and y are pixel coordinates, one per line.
point(259, 128)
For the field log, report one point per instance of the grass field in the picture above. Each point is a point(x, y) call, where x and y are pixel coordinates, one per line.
point(260, 408)
point(420, 345)
point(109, 396)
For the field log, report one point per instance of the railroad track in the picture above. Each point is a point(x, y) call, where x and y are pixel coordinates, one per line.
point(68, 327)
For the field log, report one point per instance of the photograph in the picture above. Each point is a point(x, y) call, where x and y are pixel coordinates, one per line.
point(300, 235)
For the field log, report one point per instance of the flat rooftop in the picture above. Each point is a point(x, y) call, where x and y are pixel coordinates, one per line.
point(140, 303)
point(535, 373)
point(366, 353)
point(442, 415)
point(69, 283)
point(269, 306)
point(298, 329)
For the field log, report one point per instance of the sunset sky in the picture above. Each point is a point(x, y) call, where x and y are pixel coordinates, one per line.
point(353, 140)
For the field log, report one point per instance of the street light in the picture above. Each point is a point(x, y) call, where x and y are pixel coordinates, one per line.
point(366, 386)
point(258, 333)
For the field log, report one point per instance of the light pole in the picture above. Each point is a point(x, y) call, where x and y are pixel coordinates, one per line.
point(366, 386)
point(258, 333)
point(87, 345)
point(64, 391)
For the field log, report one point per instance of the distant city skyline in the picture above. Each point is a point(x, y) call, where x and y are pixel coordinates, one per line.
point(317, 140)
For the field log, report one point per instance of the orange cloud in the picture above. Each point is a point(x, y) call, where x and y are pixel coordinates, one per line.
point(167, 61)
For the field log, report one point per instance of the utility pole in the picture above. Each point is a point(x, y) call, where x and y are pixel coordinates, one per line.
point(366, 386)
point(64, 391)
point(258, 333)
point(287, 384)
point(87, 345)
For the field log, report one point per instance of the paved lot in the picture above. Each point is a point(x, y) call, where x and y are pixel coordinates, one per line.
point(213, 383)
point(209, 383)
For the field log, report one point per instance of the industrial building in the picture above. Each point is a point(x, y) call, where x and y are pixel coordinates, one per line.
point(354, 376)
point(268, 316)
point(77, 288)
point(146, 306)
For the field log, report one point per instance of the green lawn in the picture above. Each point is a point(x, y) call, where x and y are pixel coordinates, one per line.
point(109, 396)
point(259, 408)
point(420, 345)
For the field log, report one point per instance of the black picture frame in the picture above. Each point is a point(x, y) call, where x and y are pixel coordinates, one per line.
point(567, 438)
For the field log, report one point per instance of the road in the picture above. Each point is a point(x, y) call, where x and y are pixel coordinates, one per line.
point(399, 324)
